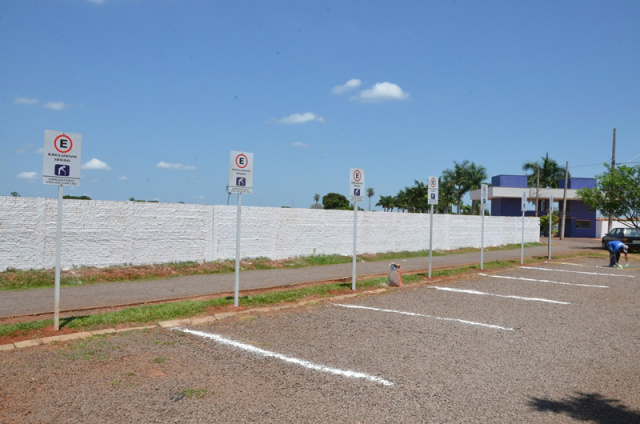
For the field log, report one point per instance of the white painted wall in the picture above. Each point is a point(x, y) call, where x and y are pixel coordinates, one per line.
point(101, 233)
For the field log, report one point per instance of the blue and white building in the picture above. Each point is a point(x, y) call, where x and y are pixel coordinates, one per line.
point(505, 194)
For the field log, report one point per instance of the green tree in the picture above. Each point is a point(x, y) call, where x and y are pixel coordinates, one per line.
point(335, 201)
point(464, 177)
point(400, 201)
point(316, 198)
point(476, 175)
point(617, 192)
point(15, 194)
point(418, 197)
point(68, 196)
point(370, 194)
point(550, 172)
point(455, 179)
point(445, 195)
point(544, 222)
point(412, 199)
point(386, 203)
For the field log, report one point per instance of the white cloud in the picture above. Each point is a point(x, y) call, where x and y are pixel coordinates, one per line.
point(300, 144)
point(27, 176)
point(39, 151)
point(123, 178)
point(25, 101)
point(300, 118)
point(23, 149)
point(352, 84)
point(96, 164)
point(97, 1)
point(380, 92)
point(55, 105)
point(178, 166)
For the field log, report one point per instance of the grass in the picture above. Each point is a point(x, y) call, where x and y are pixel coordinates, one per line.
point(14, 279)
point(193, 393)
point(184, 309)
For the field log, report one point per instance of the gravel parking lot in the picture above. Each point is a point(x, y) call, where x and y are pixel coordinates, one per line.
point(552, 343)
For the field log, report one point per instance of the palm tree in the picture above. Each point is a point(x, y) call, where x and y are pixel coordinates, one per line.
point(400, 201)
point(370, 194)
point(457, 179)
point(445, 195)
point(418, 195)
point(413, 199)
point(386, 203)
point(550, 172)
point(316, 198)
point(476, 175)
point(463, 178)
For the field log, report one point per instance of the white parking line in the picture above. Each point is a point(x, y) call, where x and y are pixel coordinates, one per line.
point(577, 272)
point(533, 299)
point(413, 314)
point(544, 281)
point(580, 265)
point(296, 361)
point(572, 264)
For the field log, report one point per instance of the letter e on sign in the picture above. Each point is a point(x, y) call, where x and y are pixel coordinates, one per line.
point(241, 161)
point(63, 143)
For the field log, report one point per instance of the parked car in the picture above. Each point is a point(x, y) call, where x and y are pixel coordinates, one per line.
point(629, 236)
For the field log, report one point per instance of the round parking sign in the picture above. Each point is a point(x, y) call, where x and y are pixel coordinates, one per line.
point(63, 143)
point(242, 161)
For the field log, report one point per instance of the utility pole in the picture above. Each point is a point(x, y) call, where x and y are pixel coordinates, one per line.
point(537, 190)
point(613, 165)
point(564, 201)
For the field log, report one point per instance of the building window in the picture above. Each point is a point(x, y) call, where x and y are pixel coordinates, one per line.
point(583, 224)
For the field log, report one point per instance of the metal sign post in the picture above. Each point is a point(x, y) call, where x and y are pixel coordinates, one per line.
point(240, 181)
point(56, 290)
point(433, 200)
point(523, 208)
point(355, 237)
point(356, 194)
point(550, 222)
point(485, 193)
point(236, 292)
point(61, 166)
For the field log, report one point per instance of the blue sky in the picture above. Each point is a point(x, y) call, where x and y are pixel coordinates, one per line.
point(163, 90)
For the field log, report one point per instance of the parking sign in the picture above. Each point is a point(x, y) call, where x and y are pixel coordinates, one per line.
point(356, 185)
point(433, 191)
point(484, 192)
point(61, 158)
point(241, 173)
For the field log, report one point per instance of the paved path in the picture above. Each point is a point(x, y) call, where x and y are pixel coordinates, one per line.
point(40, 301)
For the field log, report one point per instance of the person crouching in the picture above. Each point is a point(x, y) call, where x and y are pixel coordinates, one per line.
point(615, 247)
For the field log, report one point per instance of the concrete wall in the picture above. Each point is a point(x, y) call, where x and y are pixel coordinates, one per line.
point(101, 233)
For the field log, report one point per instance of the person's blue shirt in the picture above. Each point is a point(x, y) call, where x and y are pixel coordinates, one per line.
point(615, 246)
